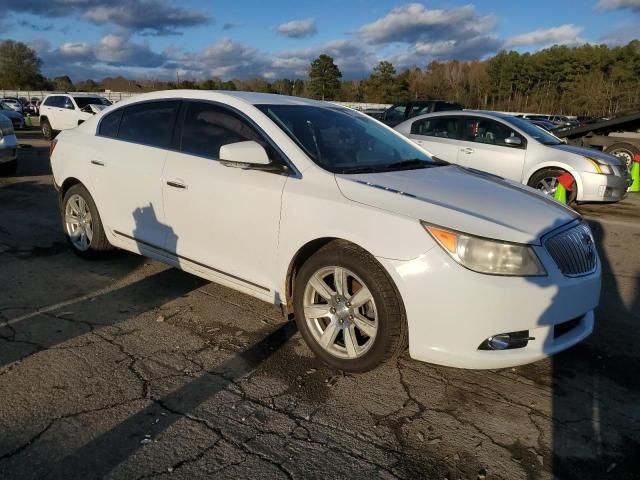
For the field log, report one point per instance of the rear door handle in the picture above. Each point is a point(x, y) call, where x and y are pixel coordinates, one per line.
point(98, 163)
point(176, 184)
point(467, 150)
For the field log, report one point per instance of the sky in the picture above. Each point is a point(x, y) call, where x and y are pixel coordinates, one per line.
point(197, 39)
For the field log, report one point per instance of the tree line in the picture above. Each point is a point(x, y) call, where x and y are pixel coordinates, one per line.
point(587, 80)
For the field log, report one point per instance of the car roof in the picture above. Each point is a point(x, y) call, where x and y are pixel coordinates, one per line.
point(445, 113)
point(252, 98)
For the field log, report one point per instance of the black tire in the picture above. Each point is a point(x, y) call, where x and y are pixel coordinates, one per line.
point(9, 168)
point(625, 151)
point(537, 178)
point(391, 338)
point(47, 131)
point(99, 244)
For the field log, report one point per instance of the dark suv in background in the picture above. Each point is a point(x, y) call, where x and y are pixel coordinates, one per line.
point(400, 112)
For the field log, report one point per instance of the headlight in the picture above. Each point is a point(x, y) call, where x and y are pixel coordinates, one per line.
point(601, 167)
point(492, 257)
point(6, 127)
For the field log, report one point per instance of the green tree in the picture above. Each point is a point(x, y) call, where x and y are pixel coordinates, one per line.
point(324, 78)
point(385, 86)
point(63, 84)
point(87, 86)
point(19, 66)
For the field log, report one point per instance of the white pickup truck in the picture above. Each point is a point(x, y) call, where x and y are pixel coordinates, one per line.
point(63, 111)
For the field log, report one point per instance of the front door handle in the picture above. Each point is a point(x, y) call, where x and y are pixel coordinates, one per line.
point(98, 163)
point(467, 150)
point(176, 184)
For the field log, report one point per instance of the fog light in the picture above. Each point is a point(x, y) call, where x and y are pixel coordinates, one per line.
point(506, 341)
point(499, 342)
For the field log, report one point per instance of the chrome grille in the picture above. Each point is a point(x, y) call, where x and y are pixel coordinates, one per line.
point(574, 251)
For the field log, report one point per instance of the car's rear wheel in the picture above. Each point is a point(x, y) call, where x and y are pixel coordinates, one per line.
point(547, 182)
point(624, 151)
point(82, 224)
point(347, 308)
point(47, 131)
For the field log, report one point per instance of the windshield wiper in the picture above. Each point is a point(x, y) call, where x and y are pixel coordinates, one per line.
point(415, 163)
point(359, 170)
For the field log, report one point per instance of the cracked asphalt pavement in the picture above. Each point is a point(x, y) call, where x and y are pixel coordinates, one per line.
point(127, 369)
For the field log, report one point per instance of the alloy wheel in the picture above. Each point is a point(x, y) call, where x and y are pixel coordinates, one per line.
point(548, 185)
point(340, 311)
point(624, 155)
point(78, 222)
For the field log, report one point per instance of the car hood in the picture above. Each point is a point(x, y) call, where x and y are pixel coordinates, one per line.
point(589, 152)
point(460, 199)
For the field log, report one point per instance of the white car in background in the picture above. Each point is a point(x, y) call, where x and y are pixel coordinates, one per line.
point(63, 111)
point(337, 218)
point(8, 147)
point(513, 148)
point(14, 103)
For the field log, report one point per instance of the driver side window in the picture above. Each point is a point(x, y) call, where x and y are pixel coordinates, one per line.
point(396, 114)
point(67, 103)
point(207, 127)
point(488, 131)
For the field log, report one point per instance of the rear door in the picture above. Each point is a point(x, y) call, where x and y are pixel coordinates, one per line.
point(483, 147)
point(439, 135)
point(126, 169)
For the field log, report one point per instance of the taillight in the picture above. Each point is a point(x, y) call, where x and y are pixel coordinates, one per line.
point(52, 146)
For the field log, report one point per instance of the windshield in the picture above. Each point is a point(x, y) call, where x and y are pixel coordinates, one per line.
point(84, 101)
point(4, 106)
point(344, 141)
point(540, 134)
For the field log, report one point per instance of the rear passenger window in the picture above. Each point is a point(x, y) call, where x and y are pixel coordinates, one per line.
point(149, 123)
point(207, 127)
point(110, 123)
point(53, 101)
point(443, 127)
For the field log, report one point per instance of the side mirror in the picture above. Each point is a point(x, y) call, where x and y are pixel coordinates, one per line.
point(248, 155)
point(514, 141)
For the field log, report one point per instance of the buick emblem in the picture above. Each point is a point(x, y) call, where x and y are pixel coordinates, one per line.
point(589, 247)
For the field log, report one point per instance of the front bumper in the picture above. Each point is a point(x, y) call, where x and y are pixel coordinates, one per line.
point(452, 310)
point(603, 188)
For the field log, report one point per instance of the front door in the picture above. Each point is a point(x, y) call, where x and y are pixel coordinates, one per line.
point(224, 220)
point(483, 146)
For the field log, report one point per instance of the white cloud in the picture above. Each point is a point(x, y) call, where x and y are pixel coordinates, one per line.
point(298, 28)
point(414, 22)
point(621, 35)
point(568, 34)
point(155, 17)
point(619, 4)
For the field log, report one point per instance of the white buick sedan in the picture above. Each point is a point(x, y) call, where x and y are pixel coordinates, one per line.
point(344, 222)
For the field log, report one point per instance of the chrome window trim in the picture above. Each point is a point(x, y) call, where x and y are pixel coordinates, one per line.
point(293, 170)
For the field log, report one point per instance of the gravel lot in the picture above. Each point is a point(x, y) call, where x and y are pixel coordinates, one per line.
point(124, 368)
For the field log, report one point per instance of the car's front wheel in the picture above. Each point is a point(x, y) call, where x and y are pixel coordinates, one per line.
point(47, 131)
point(82, 224)
point(546, 181)
point(348, 309)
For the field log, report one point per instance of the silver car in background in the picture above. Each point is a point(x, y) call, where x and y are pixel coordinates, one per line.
point(8, 147)
point(514, 148)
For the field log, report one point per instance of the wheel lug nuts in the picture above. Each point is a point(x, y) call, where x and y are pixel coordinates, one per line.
point(332, 310)
point(350, 317)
